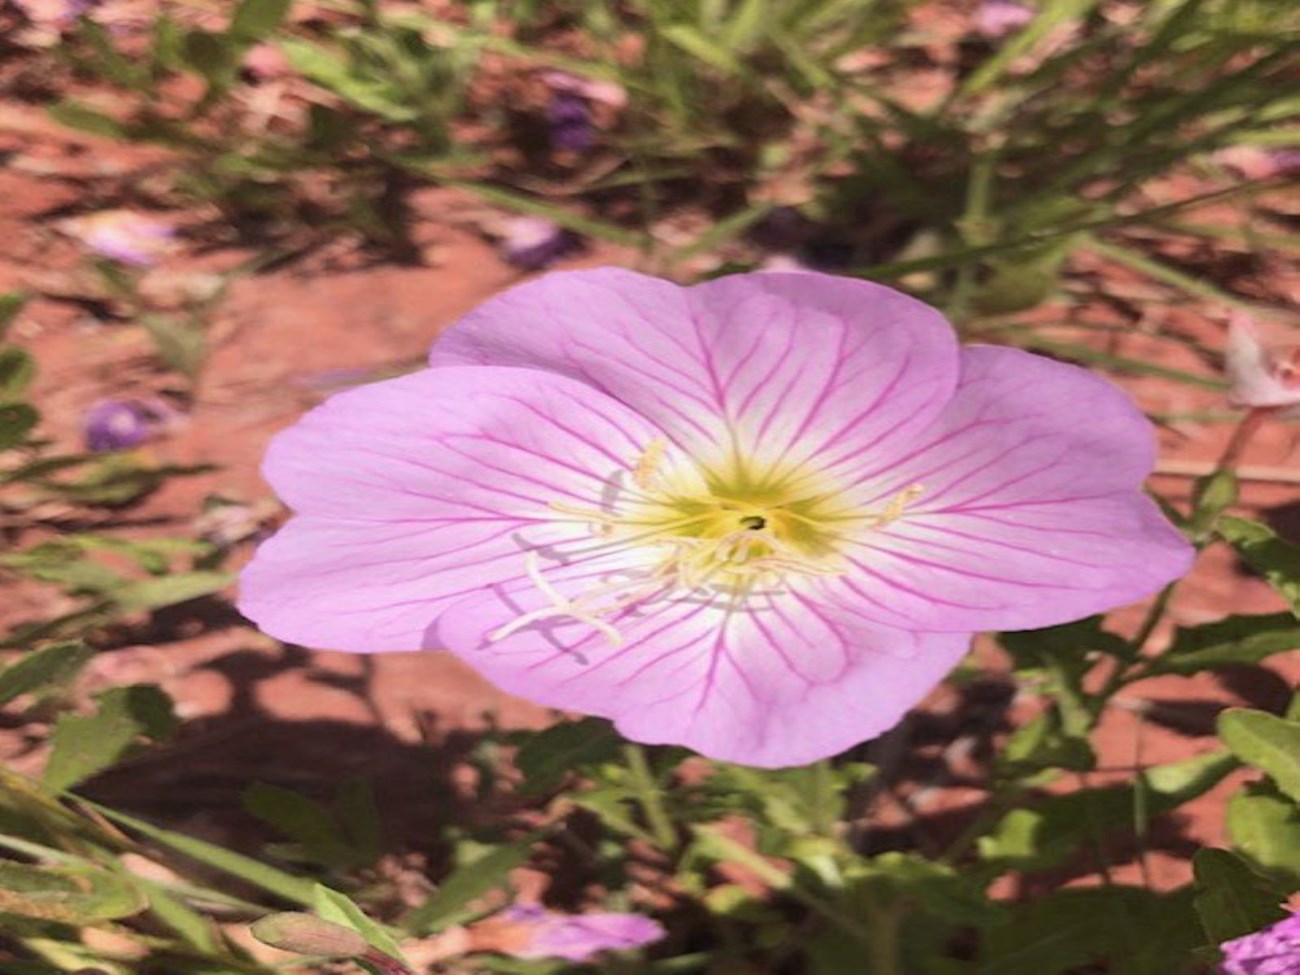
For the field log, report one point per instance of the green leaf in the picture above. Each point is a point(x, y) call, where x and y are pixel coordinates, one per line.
point(17, 369)
point(149, 594)
point(181, 345)
point(1265, 825)
point(1232, 899)
point(323, 67)
point(274, 881)
point(195, 929)
point(1172, 784)
point(210, 55)
point(67, 895)
point(690, 40)
point(1273, 557)
point(10, 305)
point(336, 907)
point(304, 821)
point(49, 666)
point(1212, 496)
point(1126, 929)
point(86, 745)
point(83, 118)
point(255, 19)
point(1266, 741)
point(547, 756)
point(1049, 830)
point(1232, 642)
point(1043, 743)
point(16, 422)
point(940, 889)
point(451, 902)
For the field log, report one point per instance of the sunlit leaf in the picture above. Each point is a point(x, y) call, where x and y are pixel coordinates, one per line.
point(49, 666)
point(1266, 741)
point(84, 745)
point(69, 895)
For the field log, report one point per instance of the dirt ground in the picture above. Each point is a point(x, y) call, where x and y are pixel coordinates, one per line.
point(256, 711)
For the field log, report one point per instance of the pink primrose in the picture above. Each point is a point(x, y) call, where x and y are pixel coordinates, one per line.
point(759, 517)
point(997, 18)
point(1273, 951)
point(535, 932)
point(1262, 372)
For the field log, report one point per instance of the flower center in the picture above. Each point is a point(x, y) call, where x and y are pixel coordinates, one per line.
point(718, 532)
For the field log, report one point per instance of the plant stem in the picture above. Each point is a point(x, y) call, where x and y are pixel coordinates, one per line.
point(1249, 425)
point(649, 793)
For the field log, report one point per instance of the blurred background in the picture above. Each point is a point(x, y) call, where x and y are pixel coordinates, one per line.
point(214, 214)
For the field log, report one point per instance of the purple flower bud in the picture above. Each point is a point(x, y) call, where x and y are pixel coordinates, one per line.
point(532, 243)
point(569, 117)
point(1273, 951)
point(997, 18)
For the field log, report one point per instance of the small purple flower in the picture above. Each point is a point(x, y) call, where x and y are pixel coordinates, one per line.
point(569, 118)
point(998, 18)
point(124, 236)
point(1273, 951)
point(539, 933)
point(759, 517)
point(117, 424)
point(532, 243)
point(120, 424)
point(569, 111)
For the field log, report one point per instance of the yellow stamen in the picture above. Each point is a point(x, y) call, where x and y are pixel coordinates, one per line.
point(646, 472)
point(730, 538)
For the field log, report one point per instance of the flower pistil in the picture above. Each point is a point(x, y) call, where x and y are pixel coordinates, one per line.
point(722, 531)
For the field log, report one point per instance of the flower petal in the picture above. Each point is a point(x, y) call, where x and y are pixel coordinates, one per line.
point(772, 368)
point(1031, 512)
point(780, 681)
point(413, 492)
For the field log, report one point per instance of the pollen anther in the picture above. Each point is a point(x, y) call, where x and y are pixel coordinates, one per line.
point(735, 542)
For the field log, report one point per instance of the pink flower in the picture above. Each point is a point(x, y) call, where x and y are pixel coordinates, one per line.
point(609, 93)
point(1273, 951)
point(531, 931)
point(759, 517)
point(266, 62)
point(1261, 373)
point(997, 18)
point(124, 236)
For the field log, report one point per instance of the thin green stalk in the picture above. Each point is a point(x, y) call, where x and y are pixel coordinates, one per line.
point(648, 792)
point(883, 948)
point(973, 225)
point(823, 817)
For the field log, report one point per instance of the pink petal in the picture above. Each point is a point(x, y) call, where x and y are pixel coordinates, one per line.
point(771, 367)
point(778, 681)
point(1261, 373)
point(413, 492)
point(1031, 512)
